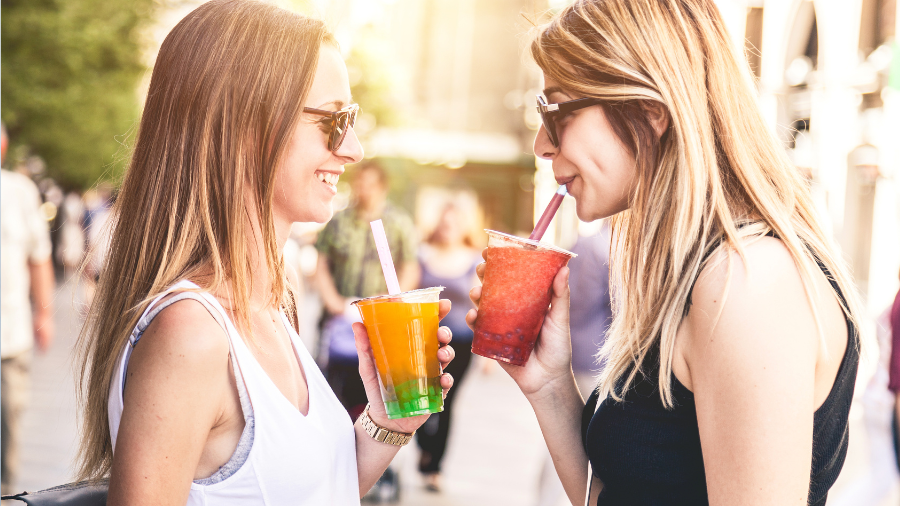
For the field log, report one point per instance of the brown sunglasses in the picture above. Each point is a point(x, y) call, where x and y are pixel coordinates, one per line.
point(551, 113)
point(341, 121)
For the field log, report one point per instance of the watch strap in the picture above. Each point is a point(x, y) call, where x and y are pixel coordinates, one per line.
point(381, 434)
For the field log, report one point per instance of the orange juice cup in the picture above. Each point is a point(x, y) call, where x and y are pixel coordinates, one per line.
point(402, 330)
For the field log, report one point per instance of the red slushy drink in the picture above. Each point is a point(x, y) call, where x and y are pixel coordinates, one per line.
point(515, 296)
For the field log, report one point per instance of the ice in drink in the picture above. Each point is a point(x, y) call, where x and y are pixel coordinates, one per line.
point(402, 330)
point(515, 296)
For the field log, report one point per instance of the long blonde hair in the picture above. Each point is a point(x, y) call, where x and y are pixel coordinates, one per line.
point(716, 169)
point(227, 90)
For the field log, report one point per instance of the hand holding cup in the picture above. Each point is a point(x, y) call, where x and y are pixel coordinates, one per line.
point(551, 359)
point(368, 371)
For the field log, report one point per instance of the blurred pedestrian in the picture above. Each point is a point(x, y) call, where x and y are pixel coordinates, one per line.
point(590, 315)
point(448, 258)
point(349, 269)
point(71, 235)
point(734, 347)
point(97, 224)
point(895, 370)
point(196, 388)
point(26, 299)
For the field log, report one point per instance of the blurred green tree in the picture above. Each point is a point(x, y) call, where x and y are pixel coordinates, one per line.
point(70, 72)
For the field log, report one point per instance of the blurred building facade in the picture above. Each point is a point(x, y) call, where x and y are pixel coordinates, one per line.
point(829, 81)
point(461, 87)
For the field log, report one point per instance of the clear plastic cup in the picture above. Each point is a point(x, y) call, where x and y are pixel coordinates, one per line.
point(515, 296)
point(403, 333)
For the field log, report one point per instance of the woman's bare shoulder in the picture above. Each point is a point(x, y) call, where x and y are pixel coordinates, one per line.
point(177, 391)
point(760, 295)
point(766, 262)
point(183, 334)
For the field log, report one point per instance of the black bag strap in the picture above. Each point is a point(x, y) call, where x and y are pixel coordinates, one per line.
point(82, 493)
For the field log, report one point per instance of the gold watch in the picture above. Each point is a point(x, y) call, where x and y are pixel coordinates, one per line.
point(380, 434)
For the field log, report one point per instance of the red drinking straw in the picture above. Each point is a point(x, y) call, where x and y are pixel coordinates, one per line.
point(547, 217)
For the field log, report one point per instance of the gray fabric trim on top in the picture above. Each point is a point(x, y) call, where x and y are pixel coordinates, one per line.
point(237, 458)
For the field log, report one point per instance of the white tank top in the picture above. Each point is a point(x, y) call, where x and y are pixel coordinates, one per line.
point(292, 459)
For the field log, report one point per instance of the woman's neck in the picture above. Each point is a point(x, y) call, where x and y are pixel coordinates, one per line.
point(260, 278)
point(446, 246)
point(370, 212)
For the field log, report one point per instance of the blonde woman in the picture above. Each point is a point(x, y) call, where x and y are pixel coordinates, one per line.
point(733, 351)
point(448, 258)
point(195, 386)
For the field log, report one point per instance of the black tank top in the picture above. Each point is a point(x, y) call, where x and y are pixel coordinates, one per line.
point(648, 455)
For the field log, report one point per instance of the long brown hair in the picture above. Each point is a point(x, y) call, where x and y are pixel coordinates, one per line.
point(717, 176)
point(227, 90)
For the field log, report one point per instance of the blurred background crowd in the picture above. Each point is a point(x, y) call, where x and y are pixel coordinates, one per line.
point(447, 123)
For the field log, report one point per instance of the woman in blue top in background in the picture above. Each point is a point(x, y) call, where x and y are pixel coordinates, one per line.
point(448, 258)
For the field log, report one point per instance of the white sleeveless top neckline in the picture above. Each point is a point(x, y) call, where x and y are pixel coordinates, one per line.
point(285, 457)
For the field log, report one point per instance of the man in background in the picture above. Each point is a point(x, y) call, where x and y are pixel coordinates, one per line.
point(349, 269)
point(26, 297)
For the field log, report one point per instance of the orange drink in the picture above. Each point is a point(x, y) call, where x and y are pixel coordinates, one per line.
point(402, 330)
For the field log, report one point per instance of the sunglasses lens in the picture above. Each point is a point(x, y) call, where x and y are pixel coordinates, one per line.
point(341, 123)
point(550, 126)
point(547, 120)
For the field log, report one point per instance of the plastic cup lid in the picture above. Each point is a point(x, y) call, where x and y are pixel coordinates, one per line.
point(401, 297)
point(530, 242)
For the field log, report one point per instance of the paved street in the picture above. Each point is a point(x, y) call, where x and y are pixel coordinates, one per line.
point(494, 457)
point(49, 424)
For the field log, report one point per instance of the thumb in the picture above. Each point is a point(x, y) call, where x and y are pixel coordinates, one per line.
point(559, 299)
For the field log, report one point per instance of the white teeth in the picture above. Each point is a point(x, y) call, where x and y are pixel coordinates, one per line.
point(328, 178)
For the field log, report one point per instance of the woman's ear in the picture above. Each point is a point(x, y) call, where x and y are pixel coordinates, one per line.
point(658, 116)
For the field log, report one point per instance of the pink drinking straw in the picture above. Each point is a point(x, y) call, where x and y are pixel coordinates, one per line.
point(384, 255)
point(547, 217)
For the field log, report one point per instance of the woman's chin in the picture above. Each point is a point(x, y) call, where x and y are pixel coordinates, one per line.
point(322, 215)
point(587, 213)
point(584, 214)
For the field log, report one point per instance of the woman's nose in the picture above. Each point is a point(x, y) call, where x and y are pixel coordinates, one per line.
point(351, 150)
point(543, 148)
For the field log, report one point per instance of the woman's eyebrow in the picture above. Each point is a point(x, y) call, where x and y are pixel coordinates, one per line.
point(338, 104)
point(553, 89)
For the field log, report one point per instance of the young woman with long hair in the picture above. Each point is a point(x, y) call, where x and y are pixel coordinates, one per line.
point(448, 258)
point(195, 387)
point(732, 355)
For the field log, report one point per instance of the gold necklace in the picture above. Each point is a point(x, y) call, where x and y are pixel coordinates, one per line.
point(256, 344)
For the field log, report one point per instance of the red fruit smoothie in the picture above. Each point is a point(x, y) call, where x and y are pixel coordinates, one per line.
point(515, 296)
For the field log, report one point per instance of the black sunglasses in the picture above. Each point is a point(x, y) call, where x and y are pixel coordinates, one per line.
point(341, 121)
point(550, 113)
